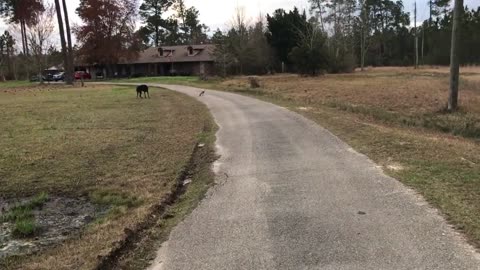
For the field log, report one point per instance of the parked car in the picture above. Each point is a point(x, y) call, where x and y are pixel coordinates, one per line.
point(82, 75)
point(99, 75)
point(59, 76)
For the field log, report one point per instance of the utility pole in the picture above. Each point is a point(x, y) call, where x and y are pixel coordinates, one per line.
point(416, 37)
point(454, 63)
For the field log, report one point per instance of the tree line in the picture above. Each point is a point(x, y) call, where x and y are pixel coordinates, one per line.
point(333, 36)
point(340, 35)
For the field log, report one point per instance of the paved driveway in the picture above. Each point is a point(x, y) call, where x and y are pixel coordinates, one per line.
point(290, 195)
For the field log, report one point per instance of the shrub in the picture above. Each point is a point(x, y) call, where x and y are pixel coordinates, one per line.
point(25, 227)
point(254, 82)
point(310, 57)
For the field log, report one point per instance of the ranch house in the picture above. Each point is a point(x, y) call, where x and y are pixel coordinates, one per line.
point(184, 60)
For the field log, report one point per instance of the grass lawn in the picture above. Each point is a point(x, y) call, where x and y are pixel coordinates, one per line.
point(98, 142)
point(12, 84)
point(394, 116)
point(184, 80)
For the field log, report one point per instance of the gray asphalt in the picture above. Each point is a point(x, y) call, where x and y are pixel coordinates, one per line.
point(290, 195)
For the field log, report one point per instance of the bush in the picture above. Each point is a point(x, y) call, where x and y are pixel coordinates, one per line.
point(254, 82)
point(25, 228)
point(342, 64)
point(310, 56)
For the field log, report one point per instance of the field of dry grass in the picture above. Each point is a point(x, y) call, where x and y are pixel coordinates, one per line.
point(401, 96)
point(395, 116)
point(99, 143)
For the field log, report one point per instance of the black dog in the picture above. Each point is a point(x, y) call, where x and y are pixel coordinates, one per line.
point(202, 93)
point(142, 88)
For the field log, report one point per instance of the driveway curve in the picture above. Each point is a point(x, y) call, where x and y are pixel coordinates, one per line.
point(290, 195)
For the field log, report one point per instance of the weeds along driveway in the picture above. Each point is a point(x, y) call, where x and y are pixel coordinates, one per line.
point(291, 195)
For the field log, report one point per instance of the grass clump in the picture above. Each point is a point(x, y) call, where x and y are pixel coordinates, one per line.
point(17, 213)
point(39, 200)
point(114, 199)
point(25, 227)
point(23, 217)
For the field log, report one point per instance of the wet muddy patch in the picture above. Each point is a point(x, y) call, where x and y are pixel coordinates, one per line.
point(31, 224)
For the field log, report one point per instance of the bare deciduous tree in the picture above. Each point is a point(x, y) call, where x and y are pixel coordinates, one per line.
point(62, 38)
point(71, 65)
point(39, 36)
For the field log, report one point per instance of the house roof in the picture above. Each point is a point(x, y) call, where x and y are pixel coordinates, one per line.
point(199, 53)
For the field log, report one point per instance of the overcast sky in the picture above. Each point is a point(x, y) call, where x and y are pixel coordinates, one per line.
point(218, 13)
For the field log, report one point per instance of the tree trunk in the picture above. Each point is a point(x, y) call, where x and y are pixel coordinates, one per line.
point(157, 36)
point(23, 39)
point(14, 67)
point(416, 37)
point(423, 45)
point(62, 36)
point(9, 61)
point(362, 49)
point(454, 63)
point(71, 67)
point(23, 29)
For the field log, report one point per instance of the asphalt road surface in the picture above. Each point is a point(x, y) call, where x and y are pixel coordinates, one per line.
point(290, 195)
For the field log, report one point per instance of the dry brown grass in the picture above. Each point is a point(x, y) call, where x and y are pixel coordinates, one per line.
point(99, 142)
point(403, 90)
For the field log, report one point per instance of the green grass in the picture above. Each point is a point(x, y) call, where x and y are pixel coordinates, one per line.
point(99, 142)
point(17, 213)
point(25, 228)
point(180, 80)
point(104, 197)
point(24, 210)
point(162, 79)
point(13, 84)
point(22, 216)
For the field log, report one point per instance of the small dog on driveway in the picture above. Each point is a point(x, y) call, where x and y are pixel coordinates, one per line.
point(142, 89)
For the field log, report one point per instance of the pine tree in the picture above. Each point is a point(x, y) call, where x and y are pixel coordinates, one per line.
point(151, 12)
